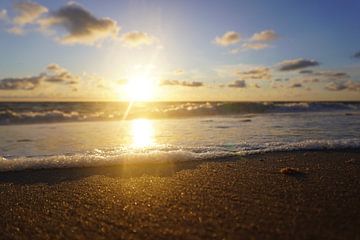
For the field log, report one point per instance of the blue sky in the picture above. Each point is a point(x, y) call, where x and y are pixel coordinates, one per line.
point(176, 42)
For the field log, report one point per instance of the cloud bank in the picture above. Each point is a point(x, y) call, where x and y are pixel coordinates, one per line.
point(53, 74)
point(343, 85)
point(71, 24)
point(181, 83)
point(24, 83)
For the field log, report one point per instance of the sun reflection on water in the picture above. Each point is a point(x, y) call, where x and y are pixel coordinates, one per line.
point(142, 133)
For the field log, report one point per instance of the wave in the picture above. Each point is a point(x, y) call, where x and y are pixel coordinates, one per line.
point(313, 107)
point(23, 113)
point(165, 153)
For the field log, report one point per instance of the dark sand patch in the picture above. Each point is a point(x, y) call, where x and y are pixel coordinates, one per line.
point(242, 199)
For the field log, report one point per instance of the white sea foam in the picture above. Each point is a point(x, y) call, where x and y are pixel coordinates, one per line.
point(161, 154)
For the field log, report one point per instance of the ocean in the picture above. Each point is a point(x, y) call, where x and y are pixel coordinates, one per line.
point(35, 135)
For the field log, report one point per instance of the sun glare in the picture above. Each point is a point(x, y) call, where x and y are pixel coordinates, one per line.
point(140, 87)
point(142, 133)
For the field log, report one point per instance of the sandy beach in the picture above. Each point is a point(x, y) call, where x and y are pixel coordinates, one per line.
point(246, 198)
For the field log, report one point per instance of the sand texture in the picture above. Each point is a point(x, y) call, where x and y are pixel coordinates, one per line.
point(303, 195)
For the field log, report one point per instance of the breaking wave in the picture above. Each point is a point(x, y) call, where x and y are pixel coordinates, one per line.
point(24, 113)
point(167, 153)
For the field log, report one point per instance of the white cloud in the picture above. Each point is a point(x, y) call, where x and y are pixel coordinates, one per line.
point(265, 36)
point(137, 39)
point(28, 12)
point(54, 74)
point(228, 38)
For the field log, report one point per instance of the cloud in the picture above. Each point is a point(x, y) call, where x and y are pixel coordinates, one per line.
point(343, 85)
point(331, 74)
point(327, 74)
point(281, 79)
point(336, 80)
point(306, 71)
point(264, 36)
point(228, 38)
point(181, 83)
point(353, 86)
point(238, 84)
point(81, 26)
point(357, 55)
point(3, 14)
point(59, 74)
point(256, 42)
point(295, 64)
point(179, 71)
point(250, 46)
point(296, 85)
point(136, 39)
point(17, 30)
point(54, 74)
point(336, 86)
point(259, 73)
point(55, 68)
point(255, 46)
point(277, 85)
point(310, 80)
point(25, 83)
point(28, 12)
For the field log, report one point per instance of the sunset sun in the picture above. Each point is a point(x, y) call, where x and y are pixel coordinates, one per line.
point(140, 87)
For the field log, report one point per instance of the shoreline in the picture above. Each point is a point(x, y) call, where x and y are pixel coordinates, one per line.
point(141, 167)
point(244, 197)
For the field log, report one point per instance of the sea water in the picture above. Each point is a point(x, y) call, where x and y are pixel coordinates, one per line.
point(58, 135)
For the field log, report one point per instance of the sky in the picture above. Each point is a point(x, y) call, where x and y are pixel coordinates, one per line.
point(159, 50)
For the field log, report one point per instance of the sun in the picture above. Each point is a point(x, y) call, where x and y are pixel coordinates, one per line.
point(140, 87)
point(142, 133)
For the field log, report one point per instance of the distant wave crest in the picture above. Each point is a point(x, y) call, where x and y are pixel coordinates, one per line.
point(23, 113)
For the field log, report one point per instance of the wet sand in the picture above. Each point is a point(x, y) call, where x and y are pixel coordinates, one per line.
point(303, 195)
